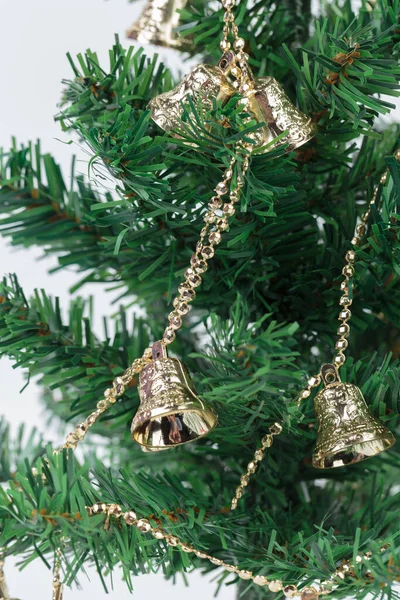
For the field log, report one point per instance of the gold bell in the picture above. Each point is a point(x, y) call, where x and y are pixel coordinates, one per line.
point(157, 23)
point(267, 103)
point(284, 122)
point(170, 412)
point(203, 84)
point(348, 432)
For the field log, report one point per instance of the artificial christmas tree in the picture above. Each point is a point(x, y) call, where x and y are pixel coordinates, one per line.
point(263, 320)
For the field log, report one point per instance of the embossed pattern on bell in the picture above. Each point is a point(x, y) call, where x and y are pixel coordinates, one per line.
point(170, 412)
point(270, 104)
point(203, 84)
point(157, 22)
point(348, 431)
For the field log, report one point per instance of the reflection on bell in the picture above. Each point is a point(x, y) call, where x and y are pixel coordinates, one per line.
point(348, 432)
point(270, 104)
point(157, 22)
point(204, 84)
point(170, 412)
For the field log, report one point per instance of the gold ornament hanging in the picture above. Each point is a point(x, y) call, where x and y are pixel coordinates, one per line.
point(170, 412)
point(157, 24)
point(263, 98)
point(348, 432)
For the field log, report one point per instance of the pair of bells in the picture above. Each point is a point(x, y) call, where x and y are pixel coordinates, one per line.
point(171, 414)
point(268, 103)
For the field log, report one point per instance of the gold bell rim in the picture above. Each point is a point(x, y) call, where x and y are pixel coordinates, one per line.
point(139, 430)
point(354, 453)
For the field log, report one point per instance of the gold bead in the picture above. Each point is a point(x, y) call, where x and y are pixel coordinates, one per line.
point(81, 430)
point(102, 405)
point(339, 360)
point(230, 568)
point(243, 574)
point(216, 561)
point(229, 172)
point(383, 179)
point(359, 558)
point(275, 429)
point(91, 419)
point(244, 480)
point(215, 203)
point(234, 196)
point(309, 593)
point(172, 540)
point(305, 394)
point(169, 335)
point(115, 510)
point(130, 517)
point(239, 44)
point(345, 314)
point(201, 554)
point(215, 237)
point(99, 508)
point(118, 386)
point(260, 580)
point(259, 454)
point(229, 209)
point(186, 291)
point(143, 525)
point(198, 265)
point(350, 256)
point(344, 286)
point(348, 271)
point(239, 492)
point(222, 224)
point(182, 308)
point(234, 504)
point(147, 354)
point(360, 229)
point(267, 441)
point(207, 252)
point(314, 381)
point(221, 188)
point(210, 217)
point(341, 344)
point(343, 329)
point(187, 548)
point(252, 467)
point(175, 320)
point(275, 586)
point(290, 591)
point(225, 45)
point(158, 534)
point(345, 301)
point(71, 439)
point(193, 279)
point(355, 241)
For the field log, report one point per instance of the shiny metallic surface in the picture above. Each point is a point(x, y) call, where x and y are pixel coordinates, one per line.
point(203, 84)
point(270, 104)
point(170, 412)
point(157, 23)
point(267, 103)
point(348, 431)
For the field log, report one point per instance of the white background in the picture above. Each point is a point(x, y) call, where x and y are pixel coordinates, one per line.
point(34, 38)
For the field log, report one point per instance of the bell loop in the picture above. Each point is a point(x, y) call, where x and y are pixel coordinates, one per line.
point(330, 374)
point(159, 350)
